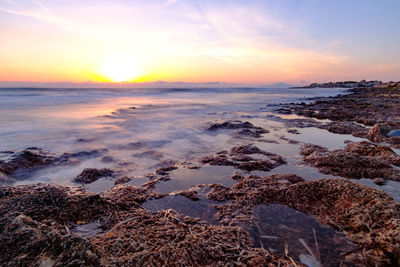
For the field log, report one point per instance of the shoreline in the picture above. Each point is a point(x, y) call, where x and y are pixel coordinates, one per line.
point(370, 218)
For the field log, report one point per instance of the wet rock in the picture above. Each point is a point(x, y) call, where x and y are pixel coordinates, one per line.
point(230, 125)
point(246, 149)
point(239, 158)
point(190, 194)
point(379, 181)
point(308, 149)
point(369, 218)
point(166, 166)
point(86, 154)
point(293, 131)
point(345, 127)
point(221, 160)
point(90, 175)
point(83, 140)
point(27, 242)
point(254, 133)
point(357, 160)
point(378, 132)
point(43, 233)
point(107, 159)
point(394, 133)
point(122, 180)
point(246, 129)
point(21, 164)
point(377, 107)
point(365, 148)
point(218, 193)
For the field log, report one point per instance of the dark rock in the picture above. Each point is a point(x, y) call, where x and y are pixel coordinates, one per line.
point(90, 175)
point(254, 133)
point(107, 159)
point(87, 154)
point(246, 128)
point(368, 217)
point(379, 181)
point(293, 131)
point(357, 160)
point(239, 158)
point(190, 194)
point(230, 125)
point(394, 133)
point(29, 160)
point(122, 180)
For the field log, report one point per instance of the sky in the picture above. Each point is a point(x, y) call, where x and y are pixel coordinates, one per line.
point(247, 42)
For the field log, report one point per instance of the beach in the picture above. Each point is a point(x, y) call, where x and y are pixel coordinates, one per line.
point(238, 176)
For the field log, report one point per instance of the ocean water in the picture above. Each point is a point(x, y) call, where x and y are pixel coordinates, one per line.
point(139, 128)
point(136, 130)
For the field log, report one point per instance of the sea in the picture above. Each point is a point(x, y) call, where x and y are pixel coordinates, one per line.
point(139, 128)
point(135, 131)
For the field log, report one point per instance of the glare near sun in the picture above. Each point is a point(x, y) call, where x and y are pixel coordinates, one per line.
point(119, 68)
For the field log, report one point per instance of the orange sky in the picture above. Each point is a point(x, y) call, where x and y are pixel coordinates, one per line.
point(78, 41)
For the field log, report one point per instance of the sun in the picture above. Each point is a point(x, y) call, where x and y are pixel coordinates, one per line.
point(120, 68)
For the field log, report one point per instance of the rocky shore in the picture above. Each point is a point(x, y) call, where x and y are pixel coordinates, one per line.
point(329, 222)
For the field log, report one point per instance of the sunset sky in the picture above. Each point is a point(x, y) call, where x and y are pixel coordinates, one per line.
point(251, 42)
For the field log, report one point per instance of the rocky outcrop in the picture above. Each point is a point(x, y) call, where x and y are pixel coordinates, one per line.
point(21, 164)
point(239, 158)
point(39, 227)
point(377, 107)
point(370, 218)
point(244, 129)
point(90, 175)
point(358, 160)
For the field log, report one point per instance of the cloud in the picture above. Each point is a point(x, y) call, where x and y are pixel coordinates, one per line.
point(170, 2)
point(10, 2)
point(42, 7)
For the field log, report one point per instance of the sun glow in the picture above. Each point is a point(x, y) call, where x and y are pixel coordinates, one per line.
point(120, 68)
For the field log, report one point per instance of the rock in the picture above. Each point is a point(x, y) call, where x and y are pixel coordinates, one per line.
point(122, 180)
point(86, 154)
point(44, 232)
point(254, 133)
point(165, 167)
point(107, 159)
point(394, 133)
point(357, 160)
point(368, 217)
point(239, 158)
point(377, 107)
point(190, 194)
point(293, 131)
point(379, 181)
point(377, 132)
point(345, 127)
point(246, 128)
point(22, 163)
point(308, 149)
point(230, 125)
point(90, 175)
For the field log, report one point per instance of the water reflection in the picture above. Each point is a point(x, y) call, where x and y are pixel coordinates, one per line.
point(276, 226)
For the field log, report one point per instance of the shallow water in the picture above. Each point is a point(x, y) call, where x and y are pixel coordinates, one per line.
point(182, 179)
point(138, 128)
point(201, 209)
point(275, 225)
